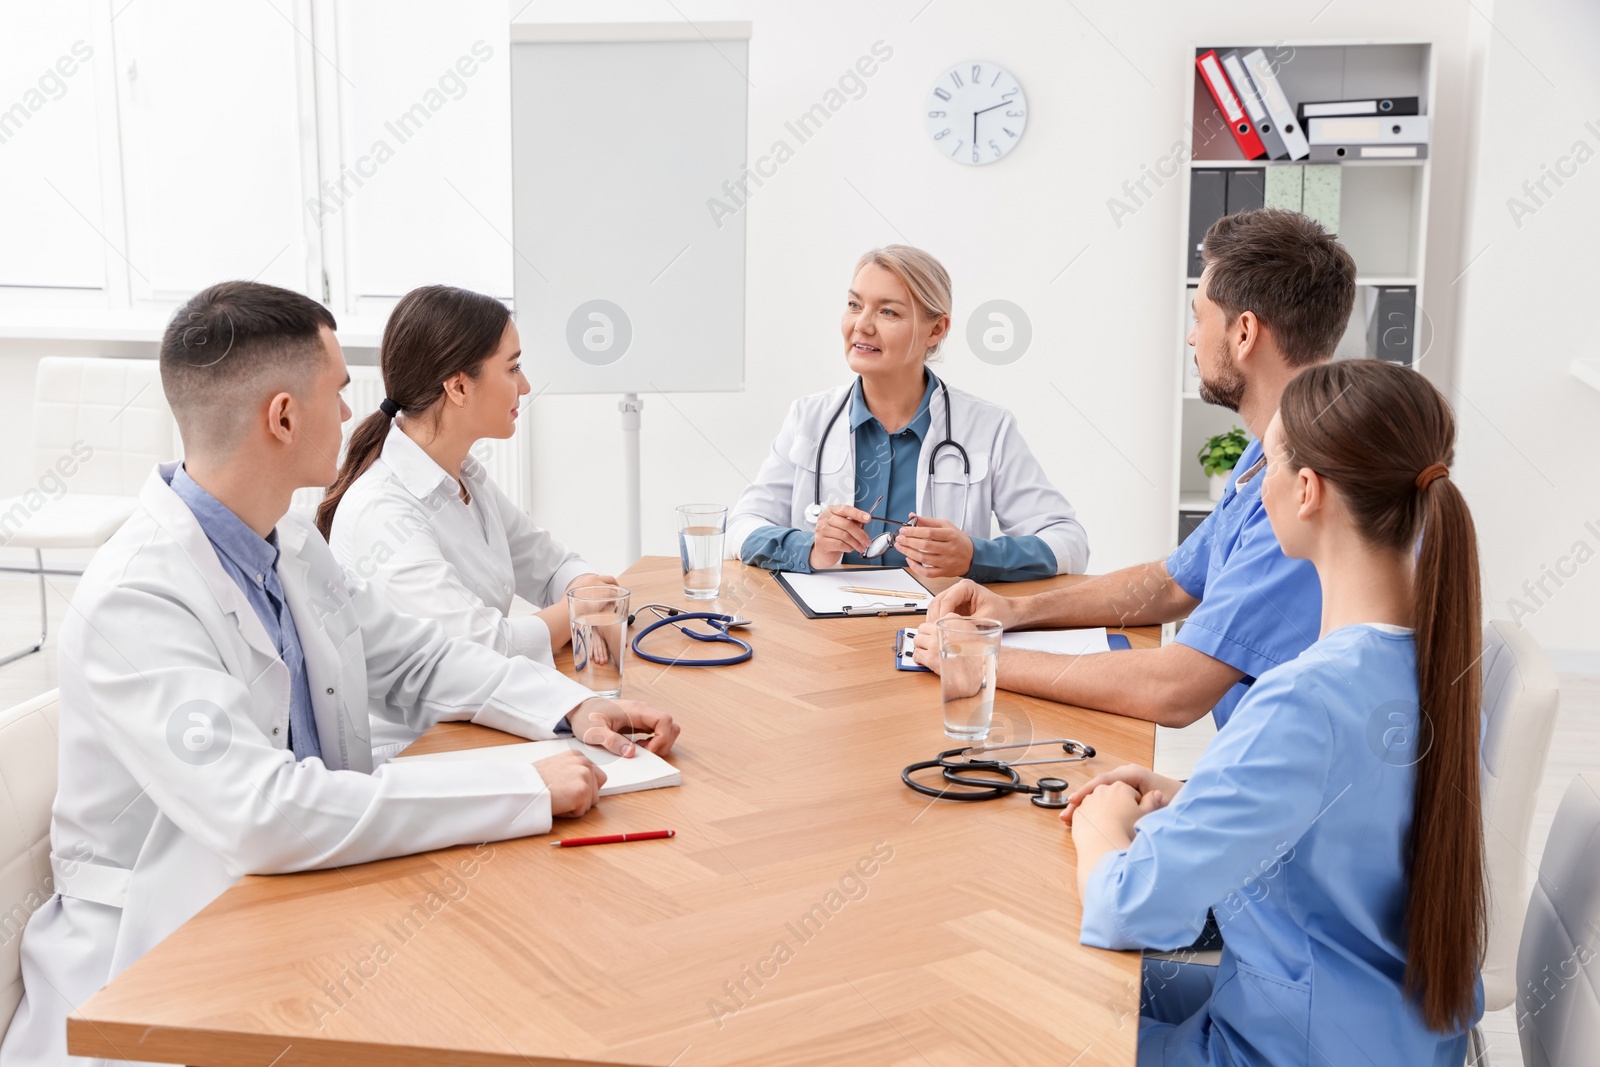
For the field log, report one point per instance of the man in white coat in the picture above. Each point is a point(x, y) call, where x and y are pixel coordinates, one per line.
point(218, 667)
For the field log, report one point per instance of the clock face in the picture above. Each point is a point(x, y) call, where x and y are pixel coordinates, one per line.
point(976, 113)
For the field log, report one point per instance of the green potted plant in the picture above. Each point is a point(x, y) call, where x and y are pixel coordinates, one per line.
point(1219, 455)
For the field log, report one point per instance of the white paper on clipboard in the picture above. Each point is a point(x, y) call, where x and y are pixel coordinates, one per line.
point(826, 592)
point(1061, 642)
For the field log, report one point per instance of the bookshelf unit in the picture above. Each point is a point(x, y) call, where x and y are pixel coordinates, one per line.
point(1383, 212)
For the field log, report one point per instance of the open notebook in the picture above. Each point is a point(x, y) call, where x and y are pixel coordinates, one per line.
point(643, 770)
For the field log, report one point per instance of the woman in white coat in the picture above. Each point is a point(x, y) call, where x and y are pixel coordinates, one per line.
point(859, 461)
point(218, 668)
point(416, 516)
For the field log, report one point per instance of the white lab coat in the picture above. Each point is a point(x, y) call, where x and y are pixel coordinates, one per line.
point(1006, 483)
point(158, 632)
point(403, 528)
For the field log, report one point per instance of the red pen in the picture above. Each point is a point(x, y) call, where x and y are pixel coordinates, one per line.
point(611, 839)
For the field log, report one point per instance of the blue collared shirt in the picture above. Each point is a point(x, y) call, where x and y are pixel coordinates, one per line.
point(886, 473)
point(886, 469)
point(1258, 608)
point(252, 563)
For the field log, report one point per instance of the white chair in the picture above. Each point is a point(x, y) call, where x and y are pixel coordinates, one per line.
point(27, 789)
point(99, 426)
point(1520, 698)
point(1558, 964)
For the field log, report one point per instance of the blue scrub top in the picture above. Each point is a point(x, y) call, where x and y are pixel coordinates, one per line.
point(1293, 831)
point(886, 472)
point(1258, 608)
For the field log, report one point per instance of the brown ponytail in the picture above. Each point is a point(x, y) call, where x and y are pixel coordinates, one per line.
point(1384, 438)
point(433, 334)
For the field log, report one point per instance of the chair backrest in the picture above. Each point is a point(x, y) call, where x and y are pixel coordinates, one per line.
point(1558, 964)
point(27, 789)
point(100, 424)
point(1520, 697)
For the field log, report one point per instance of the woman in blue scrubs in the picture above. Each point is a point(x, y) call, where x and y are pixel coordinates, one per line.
point(1332, 826)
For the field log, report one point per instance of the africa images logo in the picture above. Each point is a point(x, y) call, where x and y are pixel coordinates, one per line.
point(599, 332)
point(1399, 733)
point(199, 732)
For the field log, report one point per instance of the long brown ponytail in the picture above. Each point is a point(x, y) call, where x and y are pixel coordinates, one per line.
point(433, 334)
point(1384, 437)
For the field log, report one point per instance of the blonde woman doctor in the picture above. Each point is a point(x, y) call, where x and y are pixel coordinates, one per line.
point(857, 462)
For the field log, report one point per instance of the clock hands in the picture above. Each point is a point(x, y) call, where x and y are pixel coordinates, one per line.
point(975, 115)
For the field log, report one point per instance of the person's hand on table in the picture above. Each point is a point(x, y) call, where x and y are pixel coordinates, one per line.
point(1108, 814)
point(966, 598)
point(558, 619)
point(935, 548)
point(604, 722)
point(1142, 780)
point(925, 647)
point(591, 579)
point(840, 529)
point(573, 781)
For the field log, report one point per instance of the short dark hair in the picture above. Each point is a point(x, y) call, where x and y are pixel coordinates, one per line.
point(232, 344)
point(1296, 276)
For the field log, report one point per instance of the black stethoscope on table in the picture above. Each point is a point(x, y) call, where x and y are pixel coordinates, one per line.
point(814, 509)
point(959, 782)
point(676, 617)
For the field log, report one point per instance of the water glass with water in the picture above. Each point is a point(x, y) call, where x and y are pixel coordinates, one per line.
point(701, 530)
point(969, 650)
point(599, 615)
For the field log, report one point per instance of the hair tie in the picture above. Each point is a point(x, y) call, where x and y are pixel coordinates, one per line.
point(388, 407)
point(1432, 474)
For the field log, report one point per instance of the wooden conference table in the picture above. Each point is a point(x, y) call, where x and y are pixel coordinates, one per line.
point(811, 910)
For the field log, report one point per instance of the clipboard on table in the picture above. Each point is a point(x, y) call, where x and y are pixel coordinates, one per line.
point(855, 592)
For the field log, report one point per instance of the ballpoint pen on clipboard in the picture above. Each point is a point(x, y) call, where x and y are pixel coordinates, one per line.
point(903, 594)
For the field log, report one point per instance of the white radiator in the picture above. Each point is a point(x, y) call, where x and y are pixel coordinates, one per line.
point(506, 461)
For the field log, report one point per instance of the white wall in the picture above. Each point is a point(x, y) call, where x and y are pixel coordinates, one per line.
point(1530, 432)
point(1106, 85)
point(1099, 109)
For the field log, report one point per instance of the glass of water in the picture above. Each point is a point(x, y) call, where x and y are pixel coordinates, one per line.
point(599, 616)
point(701, 529)
point(969, 649)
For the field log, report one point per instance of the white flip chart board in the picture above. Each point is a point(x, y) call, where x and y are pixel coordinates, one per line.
point(623, 135)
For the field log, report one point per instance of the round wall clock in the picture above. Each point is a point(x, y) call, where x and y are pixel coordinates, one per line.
point(976, 113)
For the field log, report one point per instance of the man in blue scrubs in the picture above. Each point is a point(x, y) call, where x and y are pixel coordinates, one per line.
point(1274, 299)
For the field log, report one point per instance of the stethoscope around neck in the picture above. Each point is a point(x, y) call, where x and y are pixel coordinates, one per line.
point(814, 509)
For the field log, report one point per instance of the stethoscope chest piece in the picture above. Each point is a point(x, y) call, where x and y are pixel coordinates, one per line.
point(813, 513)
point(1052, 793)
